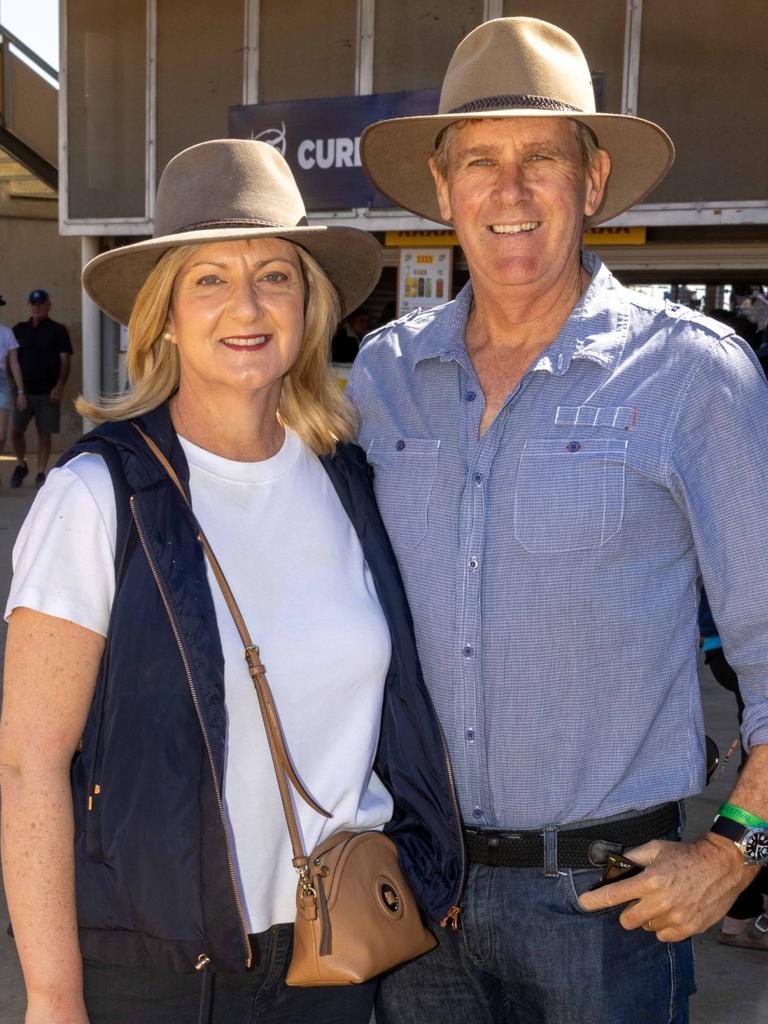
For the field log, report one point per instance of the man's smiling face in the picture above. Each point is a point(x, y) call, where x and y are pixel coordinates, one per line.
point(517, 191)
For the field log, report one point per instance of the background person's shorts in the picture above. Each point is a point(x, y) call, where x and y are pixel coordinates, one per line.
point(5, 395)
point(45, 411)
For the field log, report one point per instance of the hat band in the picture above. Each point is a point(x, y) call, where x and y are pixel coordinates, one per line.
point(238, 222)
point(515, 102)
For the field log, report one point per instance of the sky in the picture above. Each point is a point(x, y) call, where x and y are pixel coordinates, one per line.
point(36, 23)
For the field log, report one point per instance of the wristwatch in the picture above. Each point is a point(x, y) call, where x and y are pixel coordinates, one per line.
point(748, 833)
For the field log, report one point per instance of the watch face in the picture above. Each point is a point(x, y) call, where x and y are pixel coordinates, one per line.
point(756, 846)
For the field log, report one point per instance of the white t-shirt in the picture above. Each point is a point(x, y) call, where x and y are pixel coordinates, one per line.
point(297, 571)
point(7, 342)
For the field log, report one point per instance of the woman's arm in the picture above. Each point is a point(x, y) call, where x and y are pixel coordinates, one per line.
point(51, 666)
point(13, 366)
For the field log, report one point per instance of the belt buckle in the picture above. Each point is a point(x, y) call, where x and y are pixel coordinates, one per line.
point(494, 843)
point(493, 850)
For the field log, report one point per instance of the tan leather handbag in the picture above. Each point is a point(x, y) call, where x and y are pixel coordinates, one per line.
point(355, 913)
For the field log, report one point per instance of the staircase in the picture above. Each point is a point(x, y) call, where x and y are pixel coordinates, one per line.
point(28, 122)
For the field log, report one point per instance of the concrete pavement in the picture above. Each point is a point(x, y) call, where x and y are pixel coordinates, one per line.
point(733, 983)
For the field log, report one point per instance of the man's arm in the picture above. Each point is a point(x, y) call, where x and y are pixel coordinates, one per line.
point(687, 887)
point(719, 474)
point(65, 363)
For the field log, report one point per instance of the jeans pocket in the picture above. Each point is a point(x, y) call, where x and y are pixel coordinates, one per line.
point(404, 475)
point(569, 494)
point(575, 882)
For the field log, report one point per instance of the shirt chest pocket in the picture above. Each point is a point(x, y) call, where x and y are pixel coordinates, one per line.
point(405, 469)
point(569, 493)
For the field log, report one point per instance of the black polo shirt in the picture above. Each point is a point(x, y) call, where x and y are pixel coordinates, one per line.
point(39, 350)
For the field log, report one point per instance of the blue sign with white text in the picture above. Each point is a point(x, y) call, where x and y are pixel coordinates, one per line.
point(320, 139)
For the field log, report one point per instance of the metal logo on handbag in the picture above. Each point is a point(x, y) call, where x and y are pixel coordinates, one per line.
point(355, 913)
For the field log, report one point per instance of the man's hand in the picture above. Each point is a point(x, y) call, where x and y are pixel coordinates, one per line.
point(683, 890)
point(57, 392)
point(21, 401)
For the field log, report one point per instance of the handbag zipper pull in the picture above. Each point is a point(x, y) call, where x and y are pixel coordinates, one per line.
point(326, 936)
point(307, 894)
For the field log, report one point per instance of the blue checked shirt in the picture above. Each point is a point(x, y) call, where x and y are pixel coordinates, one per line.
point(553, 564)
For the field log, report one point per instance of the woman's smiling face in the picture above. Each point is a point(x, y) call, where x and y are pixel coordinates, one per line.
point(237, 315)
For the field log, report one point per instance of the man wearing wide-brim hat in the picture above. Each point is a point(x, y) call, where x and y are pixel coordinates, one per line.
point(560, 462)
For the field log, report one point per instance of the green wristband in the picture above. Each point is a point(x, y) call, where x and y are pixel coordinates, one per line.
point(742, 817)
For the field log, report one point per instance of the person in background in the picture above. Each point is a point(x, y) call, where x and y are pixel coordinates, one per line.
point(558, 462)
point(346, 340)
point(9, 366)
point(45, 356)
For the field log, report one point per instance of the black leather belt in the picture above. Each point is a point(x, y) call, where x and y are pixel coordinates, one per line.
point(576, 847)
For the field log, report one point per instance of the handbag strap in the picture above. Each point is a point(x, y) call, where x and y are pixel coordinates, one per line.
point(284, 769)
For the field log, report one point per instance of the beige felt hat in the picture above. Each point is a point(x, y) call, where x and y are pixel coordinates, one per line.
point(225, 190)
point(515, 67)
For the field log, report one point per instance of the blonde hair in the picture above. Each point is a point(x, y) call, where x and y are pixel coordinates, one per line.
point(311, 402)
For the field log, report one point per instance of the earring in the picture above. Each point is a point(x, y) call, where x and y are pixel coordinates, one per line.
point(167, 336)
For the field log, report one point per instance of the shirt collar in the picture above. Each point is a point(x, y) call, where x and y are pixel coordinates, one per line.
point(596, 330)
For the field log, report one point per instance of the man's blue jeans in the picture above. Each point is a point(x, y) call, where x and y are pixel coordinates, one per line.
point(527, 954)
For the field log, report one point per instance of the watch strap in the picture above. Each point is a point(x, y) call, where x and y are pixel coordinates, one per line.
point(729, 828)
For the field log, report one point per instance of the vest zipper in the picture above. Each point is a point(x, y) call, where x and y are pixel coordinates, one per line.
point(452, 917)
point(206, 740)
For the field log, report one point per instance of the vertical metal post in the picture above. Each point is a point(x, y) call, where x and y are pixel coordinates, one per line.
point(150, 167)
point(63, 114)
point(630, 87)
point(7, 119)
point(493, 9)
point(366, 18)
point(251, 51)
point(91, 325)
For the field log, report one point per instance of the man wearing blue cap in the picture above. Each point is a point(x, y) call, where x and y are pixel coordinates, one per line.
point(45, 355)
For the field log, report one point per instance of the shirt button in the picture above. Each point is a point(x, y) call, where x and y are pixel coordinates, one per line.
point(573, 446)
point(471, 396)
point(470, 735)
point(473, 563)
point(477, 812)
point(478, 478)
point(400, 444)
point(467, 652)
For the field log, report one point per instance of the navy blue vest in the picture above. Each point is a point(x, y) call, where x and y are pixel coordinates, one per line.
point(155, 884)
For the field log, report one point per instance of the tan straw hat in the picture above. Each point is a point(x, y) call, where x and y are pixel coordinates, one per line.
point(515, 67)
point(221, 191)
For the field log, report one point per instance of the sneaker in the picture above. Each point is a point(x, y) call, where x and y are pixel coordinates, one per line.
point(754, 936)
point(39, 479)
point(18, 474)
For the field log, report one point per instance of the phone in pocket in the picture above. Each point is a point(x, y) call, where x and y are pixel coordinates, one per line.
point(617, 867)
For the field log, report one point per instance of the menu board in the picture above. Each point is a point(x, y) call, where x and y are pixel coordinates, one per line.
point(424, 278)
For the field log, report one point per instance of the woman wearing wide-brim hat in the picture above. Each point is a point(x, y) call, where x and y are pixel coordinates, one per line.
point(157, 883)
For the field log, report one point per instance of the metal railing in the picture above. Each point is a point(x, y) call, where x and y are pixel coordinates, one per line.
point(12, 48)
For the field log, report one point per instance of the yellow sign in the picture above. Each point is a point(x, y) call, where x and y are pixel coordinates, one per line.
point(615, 236)
point(412, 238)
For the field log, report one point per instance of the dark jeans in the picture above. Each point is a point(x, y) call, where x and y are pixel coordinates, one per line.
point(134, 995)
point(527, 954)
